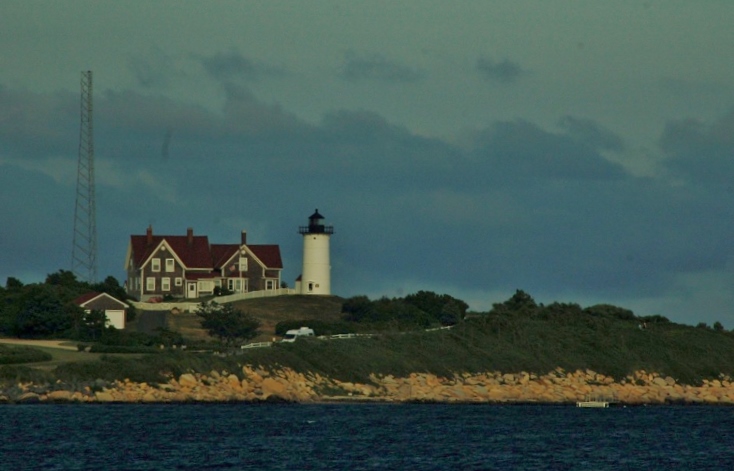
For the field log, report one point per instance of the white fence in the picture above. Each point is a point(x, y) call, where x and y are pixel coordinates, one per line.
point(257, 345)
point(187, 306)
point(254, 294)
point(182, 306)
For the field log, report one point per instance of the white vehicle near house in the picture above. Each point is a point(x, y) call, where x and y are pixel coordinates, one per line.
point(293, 334)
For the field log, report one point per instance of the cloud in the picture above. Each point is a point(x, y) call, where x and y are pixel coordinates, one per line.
point(520, 149)
point(34, 124)
point(505, 71)
point(524, 207)
point(156, 69)
point(376, 67)
point(234, 66)
point(591, 133)
point(700, 152)
point(36, 212)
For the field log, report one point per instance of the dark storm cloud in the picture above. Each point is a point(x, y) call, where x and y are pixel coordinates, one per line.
point(377, 67)
point(234, 66)
point(589, 132)
point(524, 208)
point(243, 113)
point(521, 149)
point(33, 124)
point(41, 231)
point(134, 126)
point(700, 152)
point(154, 68)
point(505, 71)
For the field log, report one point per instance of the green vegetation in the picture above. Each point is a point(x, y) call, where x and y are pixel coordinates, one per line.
point(20, 354)
point(228, 324)
point(421, 332)
point(46, 310)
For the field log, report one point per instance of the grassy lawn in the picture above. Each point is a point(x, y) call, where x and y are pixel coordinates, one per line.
point(60, 355)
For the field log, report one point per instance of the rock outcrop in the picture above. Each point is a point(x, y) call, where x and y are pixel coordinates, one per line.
point(256, 384)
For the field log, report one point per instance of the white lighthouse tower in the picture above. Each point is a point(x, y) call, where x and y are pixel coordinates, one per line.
point(316, 274)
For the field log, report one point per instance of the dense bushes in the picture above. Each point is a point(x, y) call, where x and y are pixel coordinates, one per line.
point(228, 324)
point(518, 334)
point(46, 310)
point(422, 309)
point(14, 355)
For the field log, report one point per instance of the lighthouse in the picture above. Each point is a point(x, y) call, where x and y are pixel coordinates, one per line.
point(316, 274)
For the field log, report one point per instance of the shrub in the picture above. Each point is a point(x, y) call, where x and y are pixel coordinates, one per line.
point(16, 355)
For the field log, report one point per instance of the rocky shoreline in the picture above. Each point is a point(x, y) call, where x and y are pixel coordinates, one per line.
point(252, 384)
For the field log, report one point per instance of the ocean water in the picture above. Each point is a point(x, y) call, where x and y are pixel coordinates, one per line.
point(364, 437)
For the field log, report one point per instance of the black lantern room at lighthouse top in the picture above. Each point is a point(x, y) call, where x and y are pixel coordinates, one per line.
point(316, 225)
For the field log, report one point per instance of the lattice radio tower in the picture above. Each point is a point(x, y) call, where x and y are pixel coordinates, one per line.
point(84, 251)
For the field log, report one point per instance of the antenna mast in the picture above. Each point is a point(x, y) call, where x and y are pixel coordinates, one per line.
point(84, 250)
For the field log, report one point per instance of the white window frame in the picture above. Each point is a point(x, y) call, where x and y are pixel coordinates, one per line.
point(150, 284)
point(170, 265)
point(242, 262)
point(178, 281)
point(155, 265)
point(165, 284)
point(234, 284)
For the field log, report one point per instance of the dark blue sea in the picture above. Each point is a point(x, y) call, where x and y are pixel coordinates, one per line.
point(364, 437)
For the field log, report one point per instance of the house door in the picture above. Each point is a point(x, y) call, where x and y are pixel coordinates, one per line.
point(191, 290)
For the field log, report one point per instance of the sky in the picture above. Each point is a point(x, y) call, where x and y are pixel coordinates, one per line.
point(580, 151)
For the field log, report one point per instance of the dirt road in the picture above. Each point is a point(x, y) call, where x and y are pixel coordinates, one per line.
point(40, 343)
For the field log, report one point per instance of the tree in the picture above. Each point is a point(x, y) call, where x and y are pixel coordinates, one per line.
point(441, 307)
point(612, 312)
point(93, 325)
point(452, 313)
point(13, 283)
point(225, 322)
point(111, 286)
point(63, 278)
point(42, 314)
point(357, 309)
point(520, 303)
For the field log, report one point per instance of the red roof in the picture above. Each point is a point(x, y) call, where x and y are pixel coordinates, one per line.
point(85, 297)
point(199, 254)
point(268, 254)
point(194, 255)
point(91, 296)
point(221, 253)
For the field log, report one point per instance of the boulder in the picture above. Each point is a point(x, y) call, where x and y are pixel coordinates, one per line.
point(187, 380)
point(104, 396)
point(658, 381)
point(29, 397)
point(59, 395)
point(273, 387)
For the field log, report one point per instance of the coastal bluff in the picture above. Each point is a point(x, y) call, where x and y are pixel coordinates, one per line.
point(253, 384)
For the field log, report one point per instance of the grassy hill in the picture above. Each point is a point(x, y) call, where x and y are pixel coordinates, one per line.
point(515, 336)
point(496, 343)
point(269, 311)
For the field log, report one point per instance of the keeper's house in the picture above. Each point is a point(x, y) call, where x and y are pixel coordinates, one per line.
point(188, 266)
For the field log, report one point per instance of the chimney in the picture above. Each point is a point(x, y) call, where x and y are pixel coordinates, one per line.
point(244, 237)
point(149, 235)
point(190, 235)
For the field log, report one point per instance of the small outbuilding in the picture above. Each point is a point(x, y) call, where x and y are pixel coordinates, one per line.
point(114, 309)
